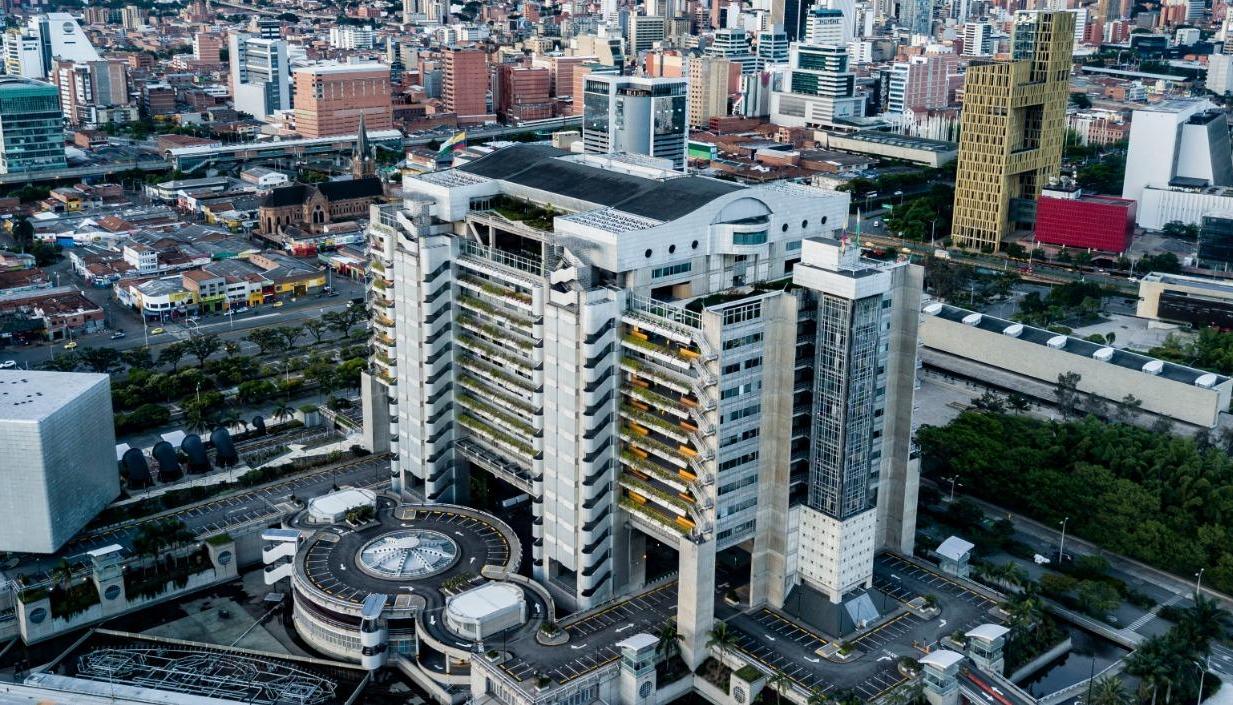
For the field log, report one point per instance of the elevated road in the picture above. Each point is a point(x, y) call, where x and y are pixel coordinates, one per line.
point(79, 172)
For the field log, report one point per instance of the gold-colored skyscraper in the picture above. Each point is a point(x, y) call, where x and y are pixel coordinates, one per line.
point(1012, 129)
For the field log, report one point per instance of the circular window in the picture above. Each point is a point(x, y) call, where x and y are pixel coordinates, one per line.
point(112, 592)
point(824, 220)
point(783, 228)
point(671, 249)
point(693, 245)
point(411, 553)
point(224, 558)
point(804, 224)
point(647, 254)
point(37, 615)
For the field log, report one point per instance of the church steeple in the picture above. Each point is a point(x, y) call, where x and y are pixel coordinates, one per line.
point(361, 159)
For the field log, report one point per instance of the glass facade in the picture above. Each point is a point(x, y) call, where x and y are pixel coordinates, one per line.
point(31, 126)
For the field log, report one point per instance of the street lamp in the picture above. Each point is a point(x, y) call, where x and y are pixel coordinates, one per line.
point(1198, 584)
point(1202, 674)
point(1061, 544)
point(953, 483)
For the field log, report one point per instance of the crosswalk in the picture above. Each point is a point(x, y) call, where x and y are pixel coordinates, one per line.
point(1152, 613)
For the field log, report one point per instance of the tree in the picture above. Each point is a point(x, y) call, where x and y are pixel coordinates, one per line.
point(316, 328)
point(266, 339)
point(137, 358)
point(172, 354)
point(668, 640)
point(289, 335)
point(1018, 402)
point(337, 321)
point(282, 411)
point(1127, 409)
point(23, 232)
point(99, 359)
point(1097, 597)
point(722, 638)
point(777, 683)
point(202, 347)
point(1067, 393)
point(1080, 101)
point(231, 348)
point(990, 401)
point(68, 362)
point(1109, 690)
point(1183, 231)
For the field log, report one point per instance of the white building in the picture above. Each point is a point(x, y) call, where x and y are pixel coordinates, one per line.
point(352, 37)
point(637, 115)
point(59, 467)
point(28, 51)
point(628, 353)
point(1191, 137)
point(818, 91)
point(977, 39)
point(1220, 73)
point(825, 27)
point(260, 75)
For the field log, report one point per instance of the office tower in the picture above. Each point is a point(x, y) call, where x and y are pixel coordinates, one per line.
point(1220, 73)
point(29, 51)
point(1176, 142)
point(56, 439)
point(613, 356)
point(637, 115)
point(350, 37)
point(207, 47)
point(580, 75)
point(465, 83)
point(31, 126)
point(522, 93)
point(86, 87)
point(847, 9)
point(791, 15)
point(260, 75)
point(772, 48)
point(819, 90)
point(330, 98)
point(607, 50)
point(265, 27)
point(410, 9)
point(645, 32)
point(916, 16)
point(960, 9)
point(1012, 129)
point(1081, 22)
point(710, 82)
point(824, 27)
point(733, 45)
point(922, 81)
point(977, 39)
point(132, 18)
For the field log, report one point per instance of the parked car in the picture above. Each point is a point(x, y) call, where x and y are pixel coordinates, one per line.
point(8, 364)
point(117, 335)
point(70, 345)
point(157, 331)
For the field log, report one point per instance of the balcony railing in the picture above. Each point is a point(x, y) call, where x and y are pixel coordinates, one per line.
point(530, 265)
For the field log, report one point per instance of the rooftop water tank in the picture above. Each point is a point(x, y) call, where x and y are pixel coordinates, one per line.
point(1153, 367)
point(972, 319)
point(933, 309)
point(1103, 354)
point(1207, 381)
point(1014, 330)
point(1057, 342)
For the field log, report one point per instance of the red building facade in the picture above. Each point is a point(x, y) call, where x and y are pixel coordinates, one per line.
point(1102, 223)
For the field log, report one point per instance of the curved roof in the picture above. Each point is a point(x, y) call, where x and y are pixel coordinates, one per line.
point(941, 658)
point(539, 167)
point(988, 632)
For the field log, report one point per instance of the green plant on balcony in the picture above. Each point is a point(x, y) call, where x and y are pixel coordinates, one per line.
point(473, 384)
point(482, 368)
point(495, 333)
point(525, 212)
point(651, 420)
point(646, 466)
point(66, 602)
point(655, 398)
point(486, 431)
point(32, 595)
point(654, 515)
point(481, 407)
point(494, 311)
point(662, 375)
point(651, 444)
point(494, 351)
point(645, 488)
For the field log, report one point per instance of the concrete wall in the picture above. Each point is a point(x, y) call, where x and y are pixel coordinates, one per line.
point(1184, 402)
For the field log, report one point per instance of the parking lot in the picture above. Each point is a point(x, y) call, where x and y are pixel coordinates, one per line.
point(593, 637)
point(904, 581)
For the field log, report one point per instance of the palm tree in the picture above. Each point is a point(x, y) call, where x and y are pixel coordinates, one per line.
point(669, 640)
point(722, 638)
point(230, 417)
point(778, 682)
point(818, 697)
point(282, 411)
point(1109, 690)
point(197, 418)
point(1207, 619)
point(62, 573)
point(231, 348)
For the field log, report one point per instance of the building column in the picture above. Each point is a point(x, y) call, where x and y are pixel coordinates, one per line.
point(695, 608)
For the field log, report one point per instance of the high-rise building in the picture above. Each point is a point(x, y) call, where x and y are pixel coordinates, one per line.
point(31, 126)
point(351, 37)
point(29, 51)
point(772, 48)
point(86, 87)
point(819, 90)
point(645, 32)
point(265, 27)
point(978, 39)
point(59, 468)
point(710, 83)
point(522, 93)
point(207, 47)
point(1220, 73)
point(465, 83)
point(132, 18)
point(824, 27)
point(630, 355)
point(330, 98)
point(1012, 128)
point(733, 45)
point(260, 75)
point(916, 16)
point(923, 81)
point(635, 114)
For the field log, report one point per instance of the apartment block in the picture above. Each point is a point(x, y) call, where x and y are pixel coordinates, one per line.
point(465, 83)
point(330, 98)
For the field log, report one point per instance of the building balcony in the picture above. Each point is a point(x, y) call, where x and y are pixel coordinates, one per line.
point(638, 505)
point(383, 320)
point(656, 351)
point(486, 349)
point(676, 478)
point(505, 293)
point(502, 441)
point(475, 304)
point(660, 425)
point(673, 502)
point(638, 438)
point(512, 383)
point(497, 394)
point(666, 404)
point(499, 418)
point(504, 337)
point(671, 379)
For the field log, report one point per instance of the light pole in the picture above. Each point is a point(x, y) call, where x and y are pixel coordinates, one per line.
point(1202, 674)
point(953, 482)
point(1062, 544)
point(1198, 584)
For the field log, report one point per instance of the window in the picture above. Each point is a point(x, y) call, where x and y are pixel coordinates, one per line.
point(738, 390)
point(793, 246)
point(735, 438)
point(754, 238)
point(743, 313)
point(671, 270)
point(647, 254)
point(733, 486)
point(746, 412)
point(738, 461)
point(742, 341)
